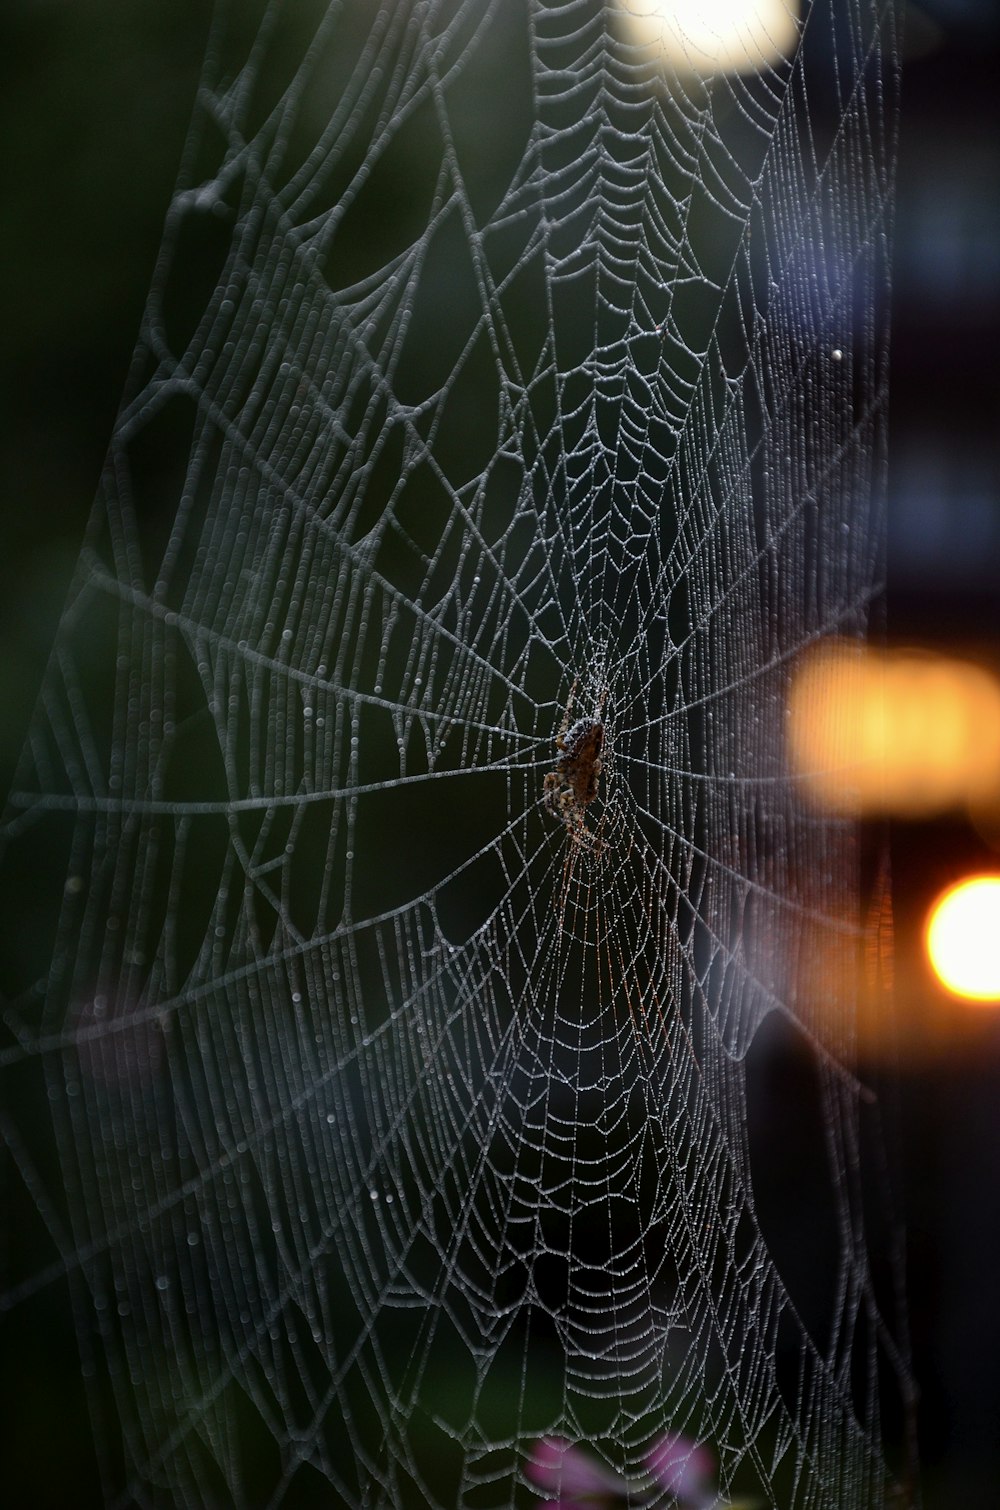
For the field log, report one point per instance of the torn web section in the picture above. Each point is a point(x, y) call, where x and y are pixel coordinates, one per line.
point(402, 1119)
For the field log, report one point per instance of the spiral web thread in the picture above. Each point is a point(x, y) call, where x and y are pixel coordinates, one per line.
point(497, 378)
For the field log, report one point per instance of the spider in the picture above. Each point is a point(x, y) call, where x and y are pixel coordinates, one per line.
point(571, 787)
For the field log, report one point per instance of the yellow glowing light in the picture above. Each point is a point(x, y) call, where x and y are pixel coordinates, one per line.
point(714, 36)
point(963, 938)
point(900, 731)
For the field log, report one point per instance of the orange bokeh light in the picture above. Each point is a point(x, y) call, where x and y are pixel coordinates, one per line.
point(895, 731)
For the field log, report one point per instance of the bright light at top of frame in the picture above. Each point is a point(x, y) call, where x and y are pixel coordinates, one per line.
point(963, 938)
point(714, 36)
point(899, 731)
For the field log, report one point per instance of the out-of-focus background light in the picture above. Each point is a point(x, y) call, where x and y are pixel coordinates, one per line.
point(714, 36)
point(905, 732)
point(908, 737)
point(963, 938)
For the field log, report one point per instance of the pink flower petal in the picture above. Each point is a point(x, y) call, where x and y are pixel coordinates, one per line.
point(685, 1467)
point(558, 1468)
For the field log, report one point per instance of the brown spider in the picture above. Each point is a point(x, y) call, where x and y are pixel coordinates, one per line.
point(571, 787)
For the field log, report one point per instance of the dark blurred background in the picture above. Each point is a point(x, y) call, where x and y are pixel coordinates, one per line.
point(94, 103)
point(944, 595)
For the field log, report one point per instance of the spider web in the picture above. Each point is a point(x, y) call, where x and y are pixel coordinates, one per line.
point(496, 374)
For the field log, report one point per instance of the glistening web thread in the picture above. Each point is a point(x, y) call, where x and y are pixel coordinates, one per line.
point(506, 418)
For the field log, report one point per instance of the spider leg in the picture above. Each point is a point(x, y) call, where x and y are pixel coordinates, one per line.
point(567, 878)
point(567, 715)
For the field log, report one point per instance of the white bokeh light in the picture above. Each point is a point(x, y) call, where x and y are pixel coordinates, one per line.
point(963, 938)
point(715, 36)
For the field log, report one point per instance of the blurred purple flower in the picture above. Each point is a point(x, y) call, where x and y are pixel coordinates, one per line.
point(686, 1469)
point(570, 1478)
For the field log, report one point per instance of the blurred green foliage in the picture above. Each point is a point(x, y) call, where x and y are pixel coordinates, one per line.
point(94, 104)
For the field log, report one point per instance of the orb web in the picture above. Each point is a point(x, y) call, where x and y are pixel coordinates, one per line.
point(500, 380)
